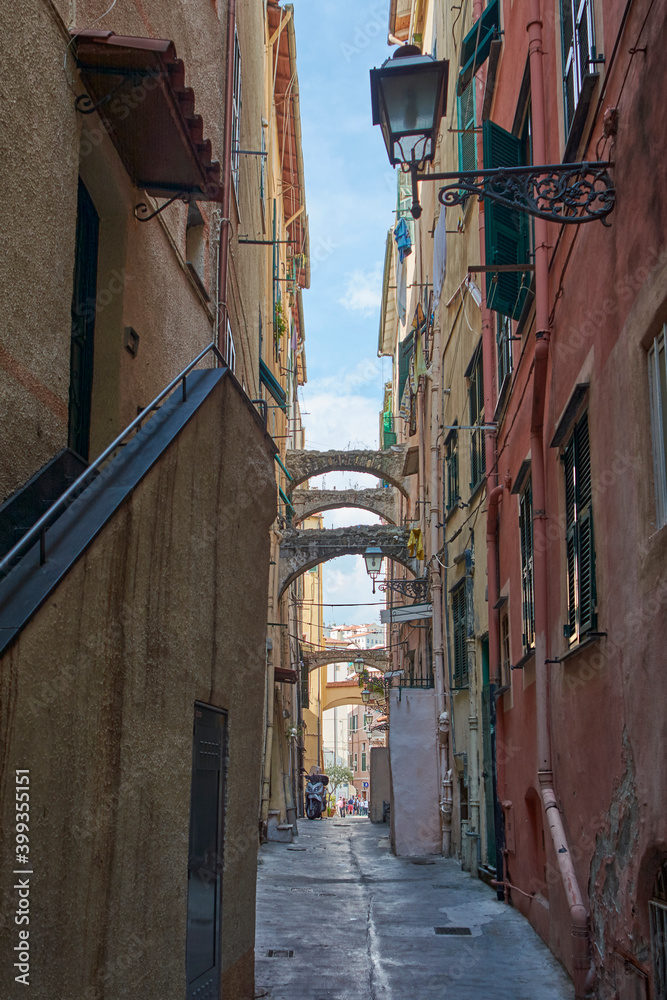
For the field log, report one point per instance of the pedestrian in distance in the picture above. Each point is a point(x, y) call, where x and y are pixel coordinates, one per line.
point(341, 807)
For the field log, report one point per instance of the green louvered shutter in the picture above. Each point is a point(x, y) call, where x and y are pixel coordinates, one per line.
point(568, 462)
point(465, 108)
point(404, 357)
point(507, 230)
point(476, 45)
point(586, 555)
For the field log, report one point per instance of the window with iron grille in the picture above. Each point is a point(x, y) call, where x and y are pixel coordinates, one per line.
point(578, 41)
point(527, 579)
point(580, 544)
point(236, 114)
point(658, 920)
point(476, 399)
point(504, 348)
point(459, 630)
point(452, 494)
point(657, 380)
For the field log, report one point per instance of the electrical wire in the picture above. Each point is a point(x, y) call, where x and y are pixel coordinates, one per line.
point(87, 28)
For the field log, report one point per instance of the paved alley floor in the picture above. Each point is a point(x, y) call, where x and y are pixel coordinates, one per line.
point(346, 920)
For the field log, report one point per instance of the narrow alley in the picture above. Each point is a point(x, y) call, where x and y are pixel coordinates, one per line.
point(366, 925)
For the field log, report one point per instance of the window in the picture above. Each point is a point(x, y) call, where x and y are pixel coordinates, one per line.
point(578, 40)
point(658, 918)
point(465, 111)
point(476, 45)
point(475, 376)
point(506, 230)
point(505, 650)
point(363, 761)
point(504, 346)
point(350, 761)
point(459, 619)
point(353, 723)
point(262, 172)
point(195, 240)
point(236, 114)
point(452, 495)
point(580, 546)
point(229, 351)
point(657, 380)
point(527, 579)
point(355, 764)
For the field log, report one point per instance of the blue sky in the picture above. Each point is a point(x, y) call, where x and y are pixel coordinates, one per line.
point(350, 194)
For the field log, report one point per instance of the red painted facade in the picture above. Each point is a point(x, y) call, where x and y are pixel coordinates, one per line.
point(607, 301)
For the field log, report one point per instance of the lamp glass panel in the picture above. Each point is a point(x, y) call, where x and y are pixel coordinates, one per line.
point(373, 561)
point(410, 100)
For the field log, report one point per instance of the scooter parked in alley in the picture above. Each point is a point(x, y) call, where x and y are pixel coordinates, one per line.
point(315, 794)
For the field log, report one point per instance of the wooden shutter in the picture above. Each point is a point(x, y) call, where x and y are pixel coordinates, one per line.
point(476, 45)
point(507, 232)
point(568, 464)
point(404, 357)
point(465, 105)
point(526, 537)
point(459, 617)
point(586, 556)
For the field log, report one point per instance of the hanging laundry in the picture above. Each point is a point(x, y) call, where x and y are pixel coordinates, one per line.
point(439, 256)
point(401, 290)
point(402, 237)
point(416, 544)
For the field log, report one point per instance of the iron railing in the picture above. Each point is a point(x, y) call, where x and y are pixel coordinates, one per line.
point(39, 529)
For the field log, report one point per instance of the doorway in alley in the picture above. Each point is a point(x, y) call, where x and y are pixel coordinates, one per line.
point(83, 323)
point(205, 855)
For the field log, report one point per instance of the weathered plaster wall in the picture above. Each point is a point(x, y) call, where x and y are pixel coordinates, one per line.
point(97, 701)
point(415, 819)
point(142, 278)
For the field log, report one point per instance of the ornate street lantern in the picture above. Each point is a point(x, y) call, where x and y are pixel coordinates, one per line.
point(408, 96)
point(373, 558)
point(358, 664)
point(365, 696)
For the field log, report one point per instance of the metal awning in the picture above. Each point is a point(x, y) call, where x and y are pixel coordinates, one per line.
point(268, 379)
point(137, 86)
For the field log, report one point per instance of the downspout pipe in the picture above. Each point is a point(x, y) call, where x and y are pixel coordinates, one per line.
point(577, 908)
point(225, 222)
point(442, 730)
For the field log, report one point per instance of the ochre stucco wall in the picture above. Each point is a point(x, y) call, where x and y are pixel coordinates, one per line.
point(97, 700)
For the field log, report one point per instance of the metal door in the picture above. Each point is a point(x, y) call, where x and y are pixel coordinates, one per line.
point(205, 860)
point(83, 323)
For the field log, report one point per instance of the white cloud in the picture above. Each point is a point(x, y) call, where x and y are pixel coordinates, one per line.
point(332, 421)
point(363, 291)
point(345, 581)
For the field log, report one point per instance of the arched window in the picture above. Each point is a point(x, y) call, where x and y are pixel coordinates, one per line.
point(658, 916)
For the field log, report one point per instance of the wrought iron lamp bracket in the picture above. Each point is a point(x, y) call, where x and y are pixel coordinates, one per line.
point(569, 193)
point(417, 589)
point(141, 210)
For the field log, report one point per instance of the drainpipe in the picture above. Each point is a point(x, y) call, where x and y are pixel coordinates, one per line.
point(442, 732)
point(225, 222)
point(577, 908)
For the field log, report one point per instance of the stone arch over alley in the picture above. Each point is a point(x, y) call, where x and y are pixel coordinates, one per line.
point(377, 658)
point(380, 501)
point(386, 465)
point(301, 550)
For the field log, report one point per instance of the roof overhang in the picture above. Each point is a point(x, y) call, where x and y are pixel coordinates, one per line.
point(288, 122)
point(137, 86)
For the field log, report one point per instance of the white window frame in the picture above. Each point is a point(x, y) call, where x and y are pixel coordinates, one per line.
point(236, 114)
point(230, 350)
point(657, 380)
